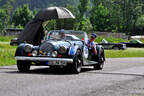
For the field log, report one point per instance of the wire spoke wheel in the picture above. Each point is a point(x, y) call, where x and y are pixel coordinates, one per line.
point(101, 61)
point(77, 63)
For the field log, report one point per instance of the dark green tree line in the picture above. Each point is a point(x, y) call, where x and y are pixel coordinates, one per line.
point(91, 15)
point(5, 15)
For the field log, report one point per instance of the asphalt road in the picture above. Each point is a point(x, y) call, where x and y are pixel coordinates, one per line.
point(120, 77)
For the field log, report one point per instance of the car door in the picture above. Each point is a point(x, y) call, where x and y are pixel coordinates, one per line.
point(86, 55)
point(85, 48)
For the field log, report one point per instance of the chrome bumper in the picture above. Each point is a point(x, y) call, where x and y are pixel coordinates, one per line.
point(43, 59)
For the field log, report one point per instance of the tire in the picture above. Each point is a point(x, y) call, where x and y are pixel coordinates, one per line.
point(101, 60)
point(76, 66)
point(23, 66)
point(54, 68)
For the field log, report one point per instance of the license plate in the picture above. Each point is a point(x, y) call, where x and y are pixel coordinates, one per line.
point(56, 63)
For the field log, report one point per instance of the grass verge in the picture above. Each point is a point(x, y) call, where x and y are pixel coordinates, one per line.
point(7, 55)
point(6, 38)
point(129, 52)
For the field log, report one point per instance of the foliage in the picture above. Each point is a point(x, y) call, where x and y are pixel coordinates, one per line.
point(22, 15)
point(125, 14)
point(140, 22)
point(136, 12)
point(2, 18)
point(91, 15)
point(5, 13)
point(100, 18)
point(110, 39)
point(49, 25)
point(83, 21)
point(40, 3)
point(115, 40)
point(83, 6)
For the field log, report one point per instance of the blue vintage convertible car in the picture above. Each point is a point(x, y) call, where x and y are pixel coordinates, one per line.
point(64, 48)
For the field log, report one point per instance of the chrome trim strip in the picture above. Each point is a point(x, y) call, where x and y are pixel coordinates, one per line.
point(43, 59)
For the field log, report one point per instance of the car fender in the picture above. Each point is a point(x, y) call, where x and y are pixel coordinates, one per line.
point(99, 50)
point(20, 50)
point(73, 49)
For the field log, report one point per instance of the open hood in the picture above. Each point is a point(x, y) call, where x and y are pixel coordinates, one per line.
point(33, 31)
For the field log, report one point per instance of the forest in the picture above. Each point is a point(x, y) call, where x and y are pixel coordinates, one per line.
point(126, 16)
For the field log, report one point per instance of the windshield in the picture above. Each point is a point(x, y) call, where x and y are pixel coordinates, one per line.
point(64, 35)
point(138, 41)
point(135, 41)
point(104, 41)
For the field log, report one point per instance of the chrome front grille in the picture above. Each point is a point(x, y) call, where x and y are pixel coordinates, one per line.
point(46, 48)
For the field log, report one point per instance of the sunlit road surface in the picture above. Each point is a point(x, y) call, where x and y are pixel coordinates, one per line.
point(120, 77)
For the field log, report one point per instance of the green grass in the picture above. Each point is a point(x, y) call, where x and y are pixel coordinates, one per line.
point(7, 55)
point(6, 46)
point(129, 52)
point(6, 38)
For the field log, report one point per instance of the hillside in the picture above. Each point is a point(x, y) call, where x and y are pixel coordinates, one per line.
point(40, 3)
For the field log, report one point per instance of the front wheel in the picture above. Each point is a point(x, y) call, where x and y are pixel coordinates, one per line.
point(23, 66)
point(76, 66)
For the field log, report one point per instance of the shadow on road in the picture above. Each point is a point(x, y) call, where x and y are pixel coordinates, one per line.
point(49, 71)
point(8, 68)
point(112, 73)
point(64, 71)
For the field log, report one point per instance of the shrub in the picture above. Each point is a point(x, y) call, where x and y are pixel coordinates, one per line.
point(110, 39)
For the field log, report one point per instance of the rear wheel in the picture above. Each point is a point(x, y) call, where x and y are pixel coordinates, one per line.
point(101, 60)
point(76, 66)
point(23, 66)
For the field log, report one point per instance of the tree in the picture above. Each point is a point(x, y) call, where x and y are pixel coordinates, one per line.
point(22, 15)
point(100, 18)
point(140, 22)
point(140, 25)
point(124, 14)
point(2, 18)
point(136, 13)
point(49, 25)
point(5, 15)
point(83, 21)
point(131, 10)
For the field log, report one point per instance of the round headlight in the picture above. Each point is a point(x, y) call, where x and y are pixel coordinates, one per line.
point(62, 50)
point(34, 53)
point(28, 48)
point(54, 54)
